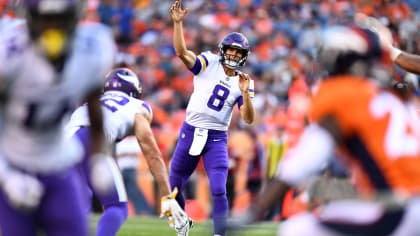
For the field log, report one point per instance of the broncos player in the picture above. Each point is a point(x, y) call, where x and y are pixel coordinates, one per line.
point(47, 67)
point(356, 111)
point(125, 114)
point(218, 87)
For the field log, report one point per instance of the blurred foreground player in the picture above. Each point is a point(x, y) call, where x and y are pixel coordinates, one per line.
point(356, 111)
point(48, 65)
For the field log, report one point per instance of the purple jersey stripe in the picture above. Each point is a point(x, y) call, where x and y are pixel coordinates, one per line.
point(148, 108)
point(207, 61)
point(197, 66)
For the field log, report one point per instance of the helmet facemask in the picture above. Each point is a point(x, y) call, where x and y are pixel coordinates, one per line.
point(237, 41)
point(233, 61)
point(52, 24)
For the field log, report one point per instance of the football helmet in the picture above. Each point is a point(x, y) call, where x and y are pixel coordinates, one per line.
point(353, 50)
point(234, 40)
point(124, 80)
point(52, 23)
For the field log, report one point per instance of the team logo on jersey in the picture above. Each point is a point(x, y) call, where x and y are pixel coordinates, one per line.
point(227, 78)
point(224, 83)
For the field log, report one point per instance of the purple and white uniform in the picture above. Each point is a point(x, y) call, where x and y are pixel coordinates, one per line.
point(37, 102)
point(204, 132)
point(119, 110)
point(218, 91)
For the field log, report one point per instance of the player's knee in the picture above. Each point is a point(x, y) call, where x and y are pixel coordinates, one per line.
point(218, 190)
point(177, 174)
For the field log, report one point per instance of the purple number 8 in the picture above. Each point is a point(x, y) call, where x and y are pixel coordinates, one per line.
point(217, 100)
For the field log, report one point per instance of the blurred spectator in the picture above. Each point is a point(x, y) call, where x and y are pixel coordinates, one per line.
point(124, 17)
point(107, 12)
point(128, 153)
point(234, 160)
point(276, 148)
point(256, 165)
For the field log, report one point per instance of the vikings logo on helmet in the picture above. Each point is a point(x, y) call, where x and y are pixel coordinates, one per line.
point(234, 40)
point(123, 80)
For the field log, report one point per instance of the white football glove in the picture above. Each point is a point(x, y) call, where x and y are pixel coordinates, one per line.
point(102, 170)
point(22, 190)
point(170, 209)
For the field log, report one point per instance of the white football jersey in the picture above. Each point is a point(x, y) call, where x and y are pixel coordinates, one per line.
point(7, 22)
point(36, 98)
point(119, 110)
point(214, 95)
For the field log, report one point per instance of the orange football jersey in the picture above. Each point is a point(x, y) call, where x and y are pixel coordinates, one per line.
point(381, 134)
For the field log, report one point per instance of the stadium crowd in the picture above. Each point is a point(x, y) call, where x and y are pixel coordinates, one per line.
point(283, 36)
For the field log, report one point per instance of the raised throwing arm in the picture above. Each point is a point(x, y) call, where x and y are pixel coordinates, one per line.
point(177, 15)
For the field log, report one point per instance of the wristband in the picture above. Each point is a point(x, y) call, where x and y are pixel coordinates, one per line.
point(395, 52)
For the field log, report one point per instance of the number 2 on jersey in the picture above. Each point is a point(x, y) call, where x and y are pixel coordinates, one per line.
point(218, 97)
point(112, 103)
point(398, 141)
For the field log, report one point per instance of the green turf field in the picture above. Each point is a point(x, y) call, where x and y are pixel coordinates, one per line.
point(148, 226)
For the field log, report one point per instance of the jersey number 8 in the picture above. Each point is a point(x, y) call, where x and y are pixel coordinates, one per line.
point(218, 97)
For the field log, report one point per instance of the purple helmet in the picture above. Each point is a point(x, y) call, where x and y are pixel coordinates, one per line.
point(234, 40)
point(44, 14)
point(123, 80)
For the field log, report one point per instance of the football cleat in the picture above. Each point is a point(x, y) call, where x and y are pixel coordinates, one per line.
point(185, 229)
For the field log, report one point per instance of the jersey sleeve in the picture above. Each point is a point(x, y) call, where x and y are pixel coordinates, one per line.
point(202, 61)
point(13, 44)
point(146, 110)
